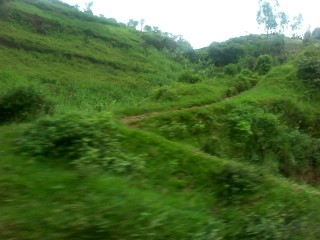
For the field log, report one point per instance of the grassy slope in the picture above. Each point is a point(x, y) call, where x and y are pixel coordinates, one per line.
point(279, 95)
point(178, 195)
point(86, 65)
point(109, 65)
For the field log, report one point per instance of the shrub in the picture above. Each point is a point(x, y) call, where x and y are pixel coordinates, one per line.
point(300, 154)
point(165, 93)
point(264, 64)
point(189, 77)
point(174, 130)
point(235, 182)
point(85, 141)
point(248, 62)
point(309, 70)
point(231, 69)
point(245, 80)
point(246, 73)
point(23, 103)
point(253, 132)
point(212, 146)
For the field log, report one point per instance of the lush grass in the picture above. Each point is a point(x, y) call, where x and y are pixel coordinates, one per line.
point(222, 128)
point(177, 197)
point(211, 160)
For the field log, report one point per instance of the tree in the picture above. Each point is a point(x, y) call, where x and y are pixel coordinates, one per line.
point(274, 20)
point(142, 21)
point(316, 33)
point(183, 46)
point(132, 24)
point(225, 53)
point(307, 36)
point(147, 28)
point(157, 30)
point(88, 8)
point(267, 16)
point(284, 21)
point(296, 24)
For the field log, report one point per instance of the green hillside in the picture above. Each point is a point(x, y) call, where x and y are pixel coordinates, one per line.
point(107, 132)
point(91, 61)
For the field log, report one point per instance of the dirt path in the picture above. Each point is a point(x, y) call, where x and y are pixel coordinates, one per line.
point(131, 119)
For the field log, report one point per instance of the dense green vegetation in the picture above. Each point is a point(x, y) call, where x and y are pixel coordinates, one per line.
point(107, 132)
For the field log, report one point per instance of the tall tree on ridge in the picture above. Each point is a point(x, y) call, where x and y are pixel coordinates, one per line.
point(142, 21)
point(274, 20)
point(88, 8)
point(267, 16)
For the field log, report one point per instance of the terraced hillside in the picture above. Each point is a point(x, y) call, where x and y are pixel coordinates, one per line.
point(111, 133)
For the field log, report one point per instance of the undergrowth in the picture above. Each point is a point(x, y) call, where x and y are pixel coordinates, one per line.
point(86, 142)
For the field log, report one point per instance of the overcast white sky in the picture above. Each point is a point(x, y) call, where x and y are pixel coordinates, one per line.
point(200, 21)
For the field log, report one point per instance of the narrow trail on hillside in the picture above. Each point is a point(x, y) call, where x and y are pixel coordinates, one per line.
point(133, 119)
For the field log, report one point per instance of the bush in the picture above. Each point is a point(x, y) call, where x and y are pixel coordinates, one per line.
point(309, 70)
point(85, 141)
point(246, 73)
point(189, 77)
point(165, 93)
point(174, 130)
point(253, 132)
point(245, 80)
point(300, 155)
point(231, 69)
point(264, 64)
point(159, 41)
point(23, 103)
point(236, 182)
